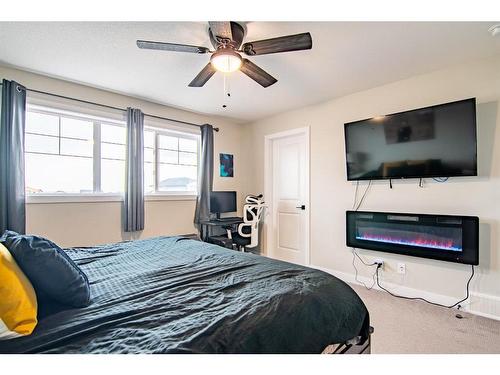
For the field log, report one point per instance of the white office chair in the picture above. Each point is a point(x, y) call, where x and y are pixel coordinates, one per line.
point(247, 235)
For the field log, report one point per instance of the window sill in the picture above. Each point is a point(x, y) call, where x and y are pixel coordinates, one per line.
point(170, 197)
point(97, 198)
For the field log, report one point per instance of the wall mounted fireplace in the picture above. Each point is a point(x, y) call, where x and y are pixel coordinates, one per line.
point(441, 237)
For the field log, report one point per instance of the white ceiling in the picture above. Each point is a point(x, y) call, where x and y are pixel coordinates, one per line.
point(345, 58)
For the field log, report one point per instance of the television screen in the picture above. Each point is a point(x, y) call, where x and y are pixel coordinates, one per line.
point(437, 141)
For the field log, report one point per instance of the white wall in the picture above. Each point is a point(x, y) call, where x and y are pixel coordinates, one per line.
point(332, 195)
point(86, 224)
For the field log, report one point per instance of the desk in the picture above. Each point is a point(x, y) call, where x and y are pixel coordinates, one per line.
point(206, 225)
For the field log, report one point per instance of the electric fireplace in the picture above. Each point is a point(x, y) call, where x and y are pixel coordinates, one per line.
point(441, 237)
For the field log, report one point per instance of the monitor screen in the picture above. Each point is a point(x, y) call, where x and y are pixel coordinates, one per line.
point(437, 141)
point(223, 201)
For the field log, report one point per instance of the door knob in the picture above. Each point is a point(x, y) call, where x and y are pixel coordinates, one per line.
point(302, 207)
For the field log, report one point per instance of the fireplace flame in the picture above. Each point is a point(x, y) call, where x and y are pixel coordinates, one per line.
point(409, 239)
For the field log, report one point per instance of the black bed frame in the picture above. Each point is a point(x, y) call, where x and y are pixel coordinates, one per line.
point(353, 346)
point(364, 348)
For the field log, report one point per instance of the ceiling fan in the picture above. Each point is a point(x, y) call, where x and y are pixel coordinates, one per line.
point(227, 38)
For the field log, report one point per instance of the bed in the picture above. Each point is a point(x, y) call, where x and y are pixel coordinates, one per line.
point(177, 295)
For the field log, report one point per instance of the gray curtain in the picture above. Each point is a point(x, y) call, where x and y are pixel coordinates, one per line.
point(12, 192)
point(205, 176)
point(134, 184)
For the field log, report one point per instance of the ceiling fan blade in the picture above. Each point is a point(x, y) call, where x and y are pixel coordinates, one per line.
point(146, 44)
point(203, 76)
point(281, 44)
point(257, 74)
point(222, 29)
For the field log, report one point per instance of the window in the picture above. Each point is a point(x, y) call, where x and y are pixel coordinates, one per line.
point(73, 153)
point(113, 153)
point(170, 162)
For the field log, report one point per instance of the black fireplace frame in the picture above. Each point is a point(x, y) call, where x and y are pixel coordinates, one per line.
point(468, 224)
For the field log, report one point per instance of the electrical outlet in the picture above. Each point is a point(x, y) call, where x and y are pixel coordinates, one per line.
point(401, 268)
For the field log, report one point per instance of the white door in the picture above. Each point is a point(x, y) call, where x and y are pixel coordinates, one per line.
point(289, 237)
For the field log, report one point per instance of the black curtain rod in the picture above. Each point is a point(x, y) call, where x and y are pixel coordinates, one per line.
point(115, 108)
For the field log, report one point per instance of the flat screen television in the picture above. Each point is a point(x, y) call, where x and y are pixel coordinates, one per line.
point(437, 141)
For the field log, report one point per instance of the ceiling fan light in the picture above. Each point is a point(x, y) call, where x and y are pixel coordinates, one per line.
point(226, 60)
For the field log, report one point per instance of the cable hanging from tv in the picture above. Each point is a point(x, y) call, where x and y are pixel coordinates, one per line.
point(355, 206)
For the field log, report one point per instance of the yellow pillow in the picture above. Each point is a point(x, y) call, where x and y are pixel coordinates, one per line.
point(18, 305)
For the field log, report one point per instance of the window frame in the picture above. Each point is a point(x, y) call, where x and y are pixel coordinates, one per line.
point(54, 197)
point(156, 155)
point(97, 195)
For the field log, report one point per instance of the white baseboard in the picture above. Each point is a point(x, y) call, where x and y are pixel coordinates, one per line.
point(485, 305)
point(481, 304)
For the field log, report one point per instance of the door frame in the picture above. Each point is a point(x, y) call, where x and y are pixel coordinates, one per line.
point(268, 188)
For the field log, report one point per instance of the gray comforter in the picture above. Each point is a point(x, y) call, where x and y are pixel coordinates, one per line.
point(173, 295)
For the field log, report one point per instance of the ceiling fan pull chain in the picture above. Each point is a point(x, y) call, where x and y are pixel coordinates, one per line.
point(225, 76)
point(226, 93)
point(227, 86)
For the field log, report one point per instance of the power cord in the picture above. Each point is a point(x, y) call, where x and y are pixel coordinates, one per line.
point(355, 195)
point(356, 207)
point(363, 196)
point(423, 299)
point(354, 255)
point(361, 259)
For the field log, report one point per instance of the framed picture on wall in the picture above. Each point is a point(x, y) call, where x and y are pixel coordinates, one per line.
point(226, 165)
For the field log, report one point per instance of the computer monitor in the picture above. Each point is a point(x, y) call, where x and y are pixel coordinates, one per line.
point(222, 201)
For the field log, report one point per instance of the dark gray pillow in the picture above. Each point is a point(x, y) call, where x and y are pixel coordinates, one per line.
point(51, 271)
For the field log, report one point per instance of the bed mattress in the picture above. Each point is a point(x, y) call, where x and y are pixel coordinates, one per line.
point(175, 295)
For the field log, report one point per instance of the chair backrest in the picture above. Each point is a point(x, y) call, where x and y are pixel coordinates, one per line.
point(252, 215)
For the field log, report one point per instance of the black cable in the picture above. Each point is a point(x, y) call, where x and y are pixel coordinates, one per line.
point(364, 195)
point(355, 195)
point(356, 270)
point(441, 179)
point(423, 299)
point(362, 261)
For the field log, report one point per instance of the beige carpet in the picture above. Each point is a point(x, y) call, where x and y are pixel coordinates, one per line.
point(403, 326)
